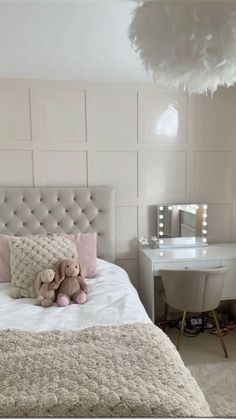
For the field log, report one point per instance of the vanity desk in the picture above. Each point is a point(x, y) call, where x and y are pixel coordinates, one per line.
point(151, 261)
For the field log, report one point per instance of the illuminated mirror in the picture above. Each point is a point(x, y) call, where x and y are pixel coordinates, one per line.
point(183, 225)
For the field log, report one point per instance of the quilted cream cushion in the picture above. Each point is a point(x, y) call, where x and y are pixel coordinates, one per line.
point(30, 255)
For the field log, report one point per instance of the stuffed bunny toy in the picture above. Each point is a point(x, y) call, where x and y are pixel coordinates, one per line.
point(70, 283)
point(45, 295)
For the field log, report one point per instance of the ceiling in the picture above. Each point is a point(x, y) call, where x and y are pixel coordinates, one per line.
point(68, 39)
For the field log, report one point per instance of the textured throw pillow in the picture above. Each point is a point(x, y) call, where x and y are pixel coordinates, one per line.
point(86, 246)
point(29, 255)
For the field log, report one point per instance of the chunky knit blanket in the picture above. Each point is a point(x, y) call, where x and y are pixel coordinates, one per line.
point(131, 370)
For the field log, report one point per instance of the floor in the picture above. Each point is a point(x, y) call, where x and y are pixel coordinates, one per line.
point(215, 374)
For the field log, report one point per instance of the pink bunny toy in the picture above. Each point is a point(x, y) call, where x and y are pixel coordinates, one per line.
point(70, 283)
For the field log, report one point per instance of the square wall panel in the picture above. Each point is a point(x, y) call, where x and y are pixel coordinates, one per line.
point(147, 218)
point(214, 175)
point(65, 168)
point(112, 116)
point(119, 170)
point(62, 115)
point(16, 168)
point(213, 119)
point(162, 174)
point(126, 232)
point(219, 223)
point(15, 122)
point(162, 117)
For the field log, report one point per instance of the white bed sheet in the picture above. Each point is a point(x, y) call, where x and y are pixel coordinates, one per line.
point(112, 300)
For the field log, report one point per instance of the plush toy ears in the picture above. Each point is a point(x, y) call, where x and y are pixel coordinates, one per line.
point(81, 270)
point(38, 283)
point(60, 271)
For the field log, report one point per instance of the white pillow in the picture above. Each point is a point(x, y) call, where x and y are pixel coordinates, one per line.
point(30, 255)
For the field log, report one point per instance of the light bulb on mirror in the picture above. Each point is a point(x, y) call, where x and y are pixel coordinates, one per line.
point(161, 225)
point(204, 223)
point(161, 216)
point(170, 208)
point(161, 241)
point(161, 208)
point(161, 233)
point(204, 231)
point(204, 240)
point(205, 206)
point(204, 215)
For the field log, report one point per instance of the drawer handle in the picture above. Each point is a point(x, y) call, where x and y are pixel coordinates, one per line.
point(186, 267)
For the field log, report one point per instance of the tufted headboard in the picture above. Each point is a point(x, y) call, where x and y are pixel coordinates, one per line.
point(25, 211)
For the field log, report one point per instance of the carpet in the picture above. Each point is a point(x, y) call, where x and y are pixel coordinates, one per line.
point(218, 383)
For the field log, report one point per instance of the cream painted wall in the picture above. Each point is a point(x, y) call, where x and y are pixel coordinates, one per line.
point(153, 146)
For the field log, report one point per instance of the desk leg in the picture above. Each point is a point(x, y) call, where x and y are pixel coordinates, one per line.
point(147, 285)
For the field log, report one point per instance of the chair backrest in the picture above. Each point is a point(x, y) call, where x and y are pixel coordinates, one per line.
point(194, 290)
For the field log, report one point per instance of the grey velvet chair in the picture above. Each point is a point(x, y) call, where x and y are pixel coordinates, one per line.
point(195, 291)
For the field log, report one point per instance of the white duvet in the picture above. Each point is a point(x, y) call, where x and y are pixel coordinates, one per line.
point(112, 300)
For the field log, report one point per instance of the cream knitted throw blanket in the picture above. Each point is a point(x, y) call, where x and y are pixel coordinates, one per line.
point(131, 370)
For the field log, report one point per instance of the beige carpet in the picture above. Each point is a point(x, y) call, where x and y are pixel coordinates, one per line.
point(215, 374)
point(218, 383)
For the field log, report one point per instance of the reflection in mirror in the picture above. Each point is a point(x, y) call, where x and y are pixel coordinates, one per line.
point(182, 225)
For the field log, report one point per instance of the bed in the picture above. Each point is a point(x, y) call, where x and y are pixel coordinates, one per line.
point(104, 358)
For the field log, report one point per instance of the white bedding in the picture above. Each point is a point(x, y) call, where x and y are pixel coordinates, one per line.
point(112, 300)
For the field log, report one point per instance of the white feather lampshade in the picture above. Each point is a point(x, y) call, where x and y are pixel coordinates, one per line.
point(187, 43)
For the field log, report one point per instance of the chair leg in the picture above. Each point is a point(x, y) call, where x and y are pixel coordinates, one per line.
point(203, 322)
point(219, 332)
point(165, 316)
point(181, 330)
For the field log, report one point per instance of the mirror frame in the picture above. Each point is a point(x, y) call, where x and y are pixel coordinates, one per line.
point(165, 242)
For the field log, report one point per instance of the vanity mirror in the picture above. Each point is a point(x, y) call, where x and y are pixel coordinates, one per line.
point(183, 225)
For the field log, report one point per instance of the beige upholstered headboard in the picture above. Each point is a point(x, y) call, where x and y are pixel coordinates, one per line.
point(26, 211)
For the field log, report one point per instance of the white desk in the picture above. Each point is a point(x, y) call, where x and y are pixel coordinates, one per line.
point(212, 256)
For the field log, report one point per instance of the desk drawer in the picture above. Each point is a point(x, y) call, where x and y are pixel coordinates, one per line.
point(201, 264)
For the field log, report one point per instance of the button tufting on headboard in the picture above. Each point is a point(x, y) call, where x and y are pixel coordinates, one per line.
point(60, 210)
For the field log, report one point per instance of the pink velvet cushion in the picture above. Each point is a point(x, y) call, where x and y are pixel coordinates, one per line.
point(86, 246)
point(5, 270)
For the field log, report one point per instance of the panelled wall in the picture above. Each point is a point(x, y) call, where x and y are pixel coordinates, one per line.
point(153, 146)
